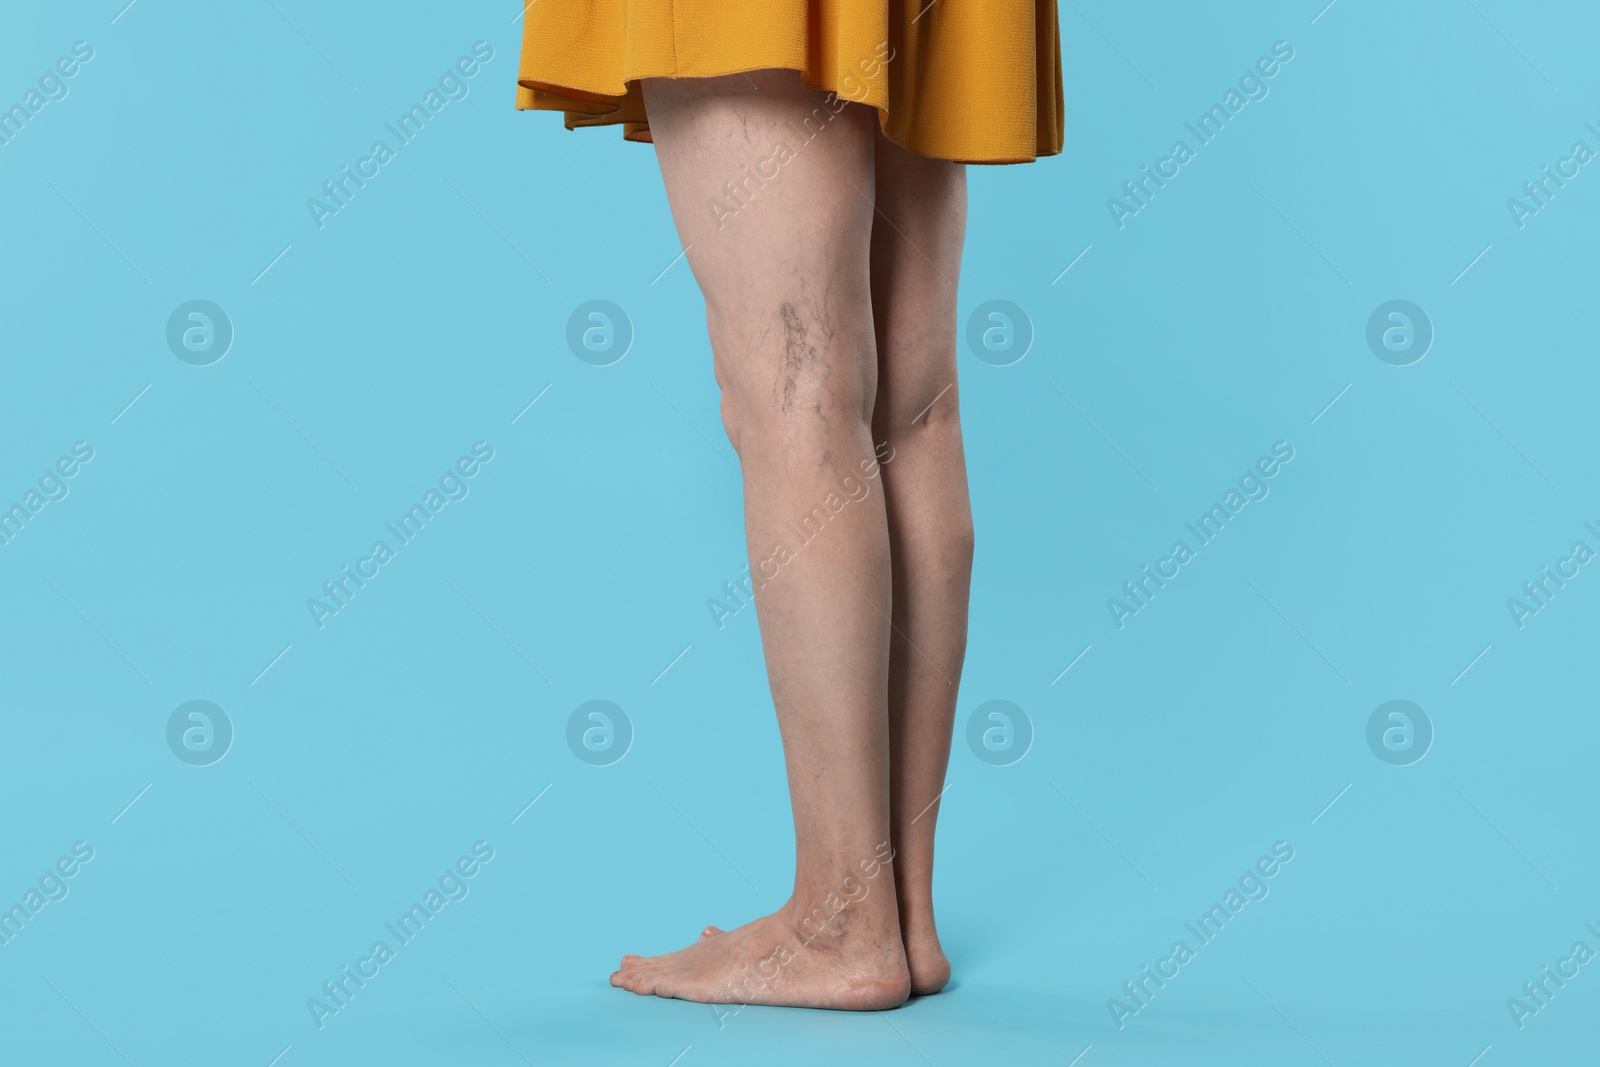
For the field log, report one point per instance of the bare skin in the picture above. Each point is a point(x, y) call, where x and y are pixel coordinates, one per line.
point(829, 272)
point(917, 237)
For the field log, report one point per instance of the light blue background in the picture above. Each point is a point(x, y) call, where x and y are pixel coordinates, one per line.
point(426, 315)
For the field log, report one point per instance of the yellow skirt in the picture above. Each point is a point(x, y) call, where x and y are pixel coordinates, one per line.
point(977, 81)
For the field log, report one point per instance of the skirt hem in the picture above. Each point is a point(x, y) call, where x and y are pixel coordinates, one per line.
point(583, 107)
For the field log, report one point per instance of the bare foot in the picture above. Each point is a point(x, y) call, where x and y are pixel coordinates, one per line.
point(925, 958)
point(930, 969)
point(854, 962)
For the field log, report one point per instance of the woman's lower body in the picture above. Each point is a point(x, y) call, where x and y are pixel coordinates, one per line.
point(828, 256)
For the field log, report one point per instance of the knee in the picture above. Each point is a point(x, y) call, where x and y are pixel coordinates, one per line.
point(923, 413)
point(793, 397)
point(920, 446)
point(792, 417)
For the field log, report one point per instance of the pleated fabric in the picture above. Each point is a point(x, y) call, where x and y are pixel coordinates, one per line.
point(977, 81)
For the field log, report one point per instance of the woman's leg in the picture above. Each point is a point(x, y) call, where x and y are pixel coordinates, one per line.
point(770, 186)
point(916, 259)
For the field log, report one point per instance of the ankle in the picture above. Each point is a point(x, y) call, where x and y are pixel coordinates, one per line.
point(839, 924)
point(915, 906)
